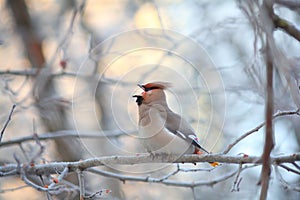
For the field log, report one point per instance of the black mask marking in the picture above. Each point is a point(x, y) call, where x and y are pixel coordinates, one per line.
point(139, 99)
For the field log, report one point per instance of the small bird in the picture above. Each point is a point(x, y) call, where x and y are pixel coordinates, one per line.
point(162, 130)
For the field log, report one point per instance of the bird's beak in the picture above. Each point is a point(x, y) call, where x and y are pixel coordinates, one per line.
point(142, 87)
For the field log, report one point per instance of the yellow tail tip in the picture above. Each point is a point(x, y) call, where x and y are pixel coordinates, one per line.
point(214, 164)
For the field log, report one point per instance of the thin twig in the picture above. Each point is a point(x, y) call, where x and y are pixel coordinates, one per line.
point(7, 121)
point(23, 151)
point(67, 134)
point(237, 180)
point(38, 142)
point(13, 189)
point(99, 194)
point(289, 169)
point(81, 184)
point(194, 193)
point(295, 164)
point(168, 182)
point(283, 182)
point(291, 4)
point(257, 128)
point(167, 176)
point(33, 72)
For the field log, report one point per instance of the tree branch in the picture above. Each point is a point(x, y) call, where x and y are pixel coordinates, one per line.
point(269, 138)
point(168, 182)
point(7, 121)
point(55, 167)
point(286, 26)
point(66, 134)
point(34, 71)
point(293, 5)
point(256, 129)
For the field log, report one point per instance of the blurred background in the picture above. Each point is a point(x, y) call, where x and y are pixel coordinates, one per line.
point(74, 65)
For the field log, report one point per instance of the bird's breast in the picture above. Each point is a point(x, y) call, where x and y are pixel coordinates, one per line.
point(157, 138)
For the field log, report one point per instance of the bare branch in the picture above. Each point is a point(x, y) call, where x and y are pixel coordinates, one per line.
point(286, 26)
point(293, 5)
point(7, 121)
point(297, 166)
point(283, 182)
point(13, 189)
point(33, 72)
point(81, 184)
point(66, 134)
point(38, 142)
point(52, 168)
point(59, 178)
point(148, 179)
point(237, 180)
point(256, 129)
point(289, 169)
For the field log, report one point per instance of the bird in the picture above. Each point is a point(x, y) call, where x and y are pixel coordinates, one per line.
point(162, 130)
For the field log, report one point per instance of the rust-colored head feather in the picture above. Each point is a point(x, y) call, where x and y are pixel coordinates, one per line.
point(153, 92)
point(155, 85)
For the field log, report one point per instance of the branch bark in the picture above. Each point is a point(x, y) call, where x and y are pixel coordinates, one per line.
point(267, 13)
point(55, 167)
point(269, 139)
point(286, 26)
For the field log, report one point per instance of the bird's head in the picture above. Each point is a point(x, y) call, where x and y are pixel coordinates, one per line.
point(153, 92)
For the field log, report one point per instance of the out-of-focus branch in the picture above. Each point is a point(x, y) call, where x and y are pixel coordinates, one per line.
point(291, 4)
point(285, 184)
point(33, 72)
point(66, 134)
point(269, 138)
point(7, 121)
point(289, 169)
point(31, 41)
point(55, 167)
point(257, 128)
point(13, 189)
point(286, 26)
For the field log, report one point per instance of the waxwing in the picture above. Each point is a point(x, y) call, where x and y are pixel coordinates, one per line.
point(160, 129)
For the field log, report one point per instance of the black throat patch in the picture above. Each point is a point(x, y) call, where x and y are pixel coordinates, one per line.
point(139, 99)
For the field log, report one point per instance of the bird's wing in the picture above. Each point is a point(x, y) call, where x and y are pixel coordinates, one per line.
point(181, 128)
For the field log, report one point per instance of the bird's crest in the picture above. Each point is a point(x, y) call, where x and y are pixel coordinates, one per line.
point(155, 85)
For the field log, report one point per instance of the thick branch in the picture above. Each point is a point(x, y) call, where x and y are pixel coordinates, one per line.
point(31, 41)
point(7, 121)
point(55, 167)
point(269, 138)
point(286, 26)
